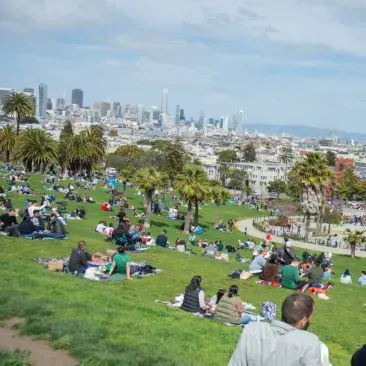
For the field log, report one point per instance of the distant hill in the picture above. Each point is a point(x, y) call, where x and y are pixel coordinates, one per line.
point(304, 131)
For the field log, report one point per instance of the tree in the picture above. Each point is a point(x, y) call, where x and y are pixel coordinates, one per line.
point(287, 155)
point(193, 186)
point(37, 149)
point(113, 133)
point(349, 185)
point(313, 175)
point(237, 179)
point(7, 141)
point(130, 151)
point(331, 157)
point(249, 153)
point(219, 195)
point(227, 156)
point(30, 121)
point(149, 179)
point(224, 173)
point(19, 104)
point(277, 186)
point(66, 134)
point(247, 187)
point(354, 238)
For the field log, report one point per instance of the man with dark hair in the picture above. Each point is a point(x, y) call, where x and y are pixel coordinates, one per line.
point(290, 276)
point(284, 342)
point(162, 239)
point(359, 358)
point(55, 228)
point(316, 273)
point(79, 258)
point(120, 264)
point(9, 224)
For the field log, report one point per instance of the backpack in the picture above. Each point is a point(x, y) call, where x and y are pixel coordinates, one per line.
point(235, 274)
point(269, 310)
point(147, 269)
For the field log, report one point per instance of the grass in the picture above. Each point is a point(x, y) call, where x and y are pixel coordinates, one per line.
point(119, 323)
point(16, 358)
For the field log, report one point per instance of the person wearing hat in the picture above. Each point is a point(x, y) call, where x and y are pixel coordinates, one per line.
point(285, 255)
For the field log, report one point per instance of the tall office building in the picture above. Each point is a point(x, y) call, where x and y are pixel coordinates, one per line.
point(181, 115)
point(225, 123)
point(164, 102)
point(201, 120)
point(155, 114)
point(42, 100)
point(29, 91)
point(116, 110)
point(49, 104)
point(77, 96)
point(177, 113)
point(60, 103)
point(240, 120)
point(3, 93)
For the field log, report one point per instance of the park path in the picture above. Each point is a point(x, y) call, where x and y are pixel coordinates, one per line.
point(252, 231)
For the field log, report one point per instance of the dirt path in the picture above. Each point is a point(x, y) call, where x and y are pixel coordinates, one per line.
point(41, 354)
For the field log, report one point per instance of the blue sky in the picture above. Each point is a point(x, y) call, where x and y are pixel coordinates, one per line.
point(280, 61)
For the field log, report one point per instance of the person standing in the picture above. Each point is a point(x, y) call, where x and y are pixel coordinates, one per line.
point(285, 342)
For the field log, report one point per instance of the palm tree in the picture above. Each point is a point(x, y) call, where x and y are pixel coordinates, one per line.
point(313, 175)
point(219, 195)
point(224, 173)
point(355, 238)
point(193, 186)
point(7, 141)
point(19, 104)
point(37, 149)
point(149, 179)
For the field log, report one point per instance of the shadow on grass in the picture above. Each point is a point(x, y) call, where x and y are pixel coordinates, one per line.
point(159, 224)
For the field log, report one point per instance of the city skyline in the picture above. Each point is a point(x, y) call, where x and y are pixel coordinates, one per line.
point(280, 62)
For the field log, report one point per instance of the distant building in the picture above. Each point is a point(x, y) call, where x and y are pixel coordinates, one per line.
point(164, 102)
point(240, 120)
point(3, 93)
point(60, 103)
point(177, 114)
point(30, 91)
point(49, 104)
point(77, 97)
point(42, 101)
point(341, 165)
point(181, 115)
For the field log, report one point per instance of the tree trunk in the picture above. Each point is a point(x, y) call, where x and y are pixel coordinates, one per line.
point(148, 200)
point(188, 218)
point(307, 226)
point(216, 222)
point(353, 250)
point(7, 156)
point(195, 222)
point(18, 124)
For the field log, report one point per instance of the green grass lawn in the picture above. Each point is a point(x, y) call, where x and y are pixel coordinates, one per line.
point(120, 324)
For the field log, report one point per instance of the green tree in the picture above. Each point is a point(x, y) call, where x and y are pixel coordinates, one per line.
point(7, 141)
point(331, 157)
point(349, 185)
point(313, 175)
point(193, 186)
point(249, 153)
point(19, 104)
point(354, 239)
point(224, 173)
point(113, 133)
point(220, 196)
point(237, 179)
point(277, 186)
point(66, 134)
point(130, 151)
point(149, 179)
point(37, 149)
point(227, 156)
point(287, 155)
point(247, 187)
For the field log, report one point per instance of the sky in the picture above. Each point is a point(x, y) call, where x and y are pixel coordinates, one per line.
point(280, 61)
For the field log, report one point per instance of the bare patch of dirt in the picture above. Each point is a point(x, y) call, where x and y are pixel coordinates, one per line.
point(41, 354)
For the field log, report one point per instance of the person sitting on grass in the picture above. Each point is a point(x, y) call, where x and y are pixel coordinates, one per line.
point(162, 239)
point(285, 341)
point(9, 224)
point(270, 271)
point(194, 297)
point(230, 308)
point(315, 274)
point(120, 264)
point(290, 276)
point(100, 228)
point(55, 228)
point(79, 258)
point(37, 221)
point(215, 299)
point(346, 277)
point(210, 251)
point(258, 263)
point(362, 279)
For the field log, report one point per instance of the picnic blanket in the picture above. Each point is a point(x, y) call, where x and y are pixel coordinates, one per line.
point(270, 284)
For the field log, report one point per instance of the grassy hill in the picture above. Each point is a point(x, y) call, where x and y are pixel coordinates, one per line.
point(120, 324)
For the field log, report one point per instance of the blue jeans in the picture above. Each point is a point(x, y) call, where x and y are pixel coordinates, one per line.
point(54, 236)
point(246, 319)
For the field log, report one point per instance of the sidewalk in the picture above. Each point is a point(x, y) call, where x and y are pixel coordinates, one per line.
point(248, 223)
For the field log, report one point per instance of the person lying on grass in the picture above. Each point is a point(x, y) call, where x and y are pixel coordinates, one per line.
point(120, 264)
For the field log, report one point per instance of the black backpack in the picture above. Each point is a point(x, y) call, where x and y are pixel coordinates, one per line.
point(147, 269)
point(235, 274)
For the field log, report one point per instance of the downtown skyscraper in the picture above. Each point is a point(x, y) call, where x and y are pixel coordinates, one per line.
point(42, 100)
point(164, 102)
point(77, 97)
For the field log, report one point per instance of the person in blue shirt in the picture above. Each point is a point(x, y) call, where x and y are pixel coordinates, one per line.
point(362, 279)
point(258, 263)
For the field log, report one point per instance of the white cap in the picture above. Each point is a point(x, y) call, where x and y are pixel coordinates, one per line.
point(288, 244)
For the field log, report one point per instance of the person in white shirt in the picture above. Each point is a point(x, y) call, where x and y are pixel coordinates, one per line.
point(346, 277)
point(100, 228)
point(33, 207)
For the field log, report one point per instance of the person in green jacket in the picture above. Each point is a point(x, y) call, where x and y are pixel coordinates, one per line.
point(290, 275)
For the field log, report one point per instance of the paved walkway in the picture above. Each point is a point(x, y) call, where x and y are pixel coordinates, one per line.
point(248, 223)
